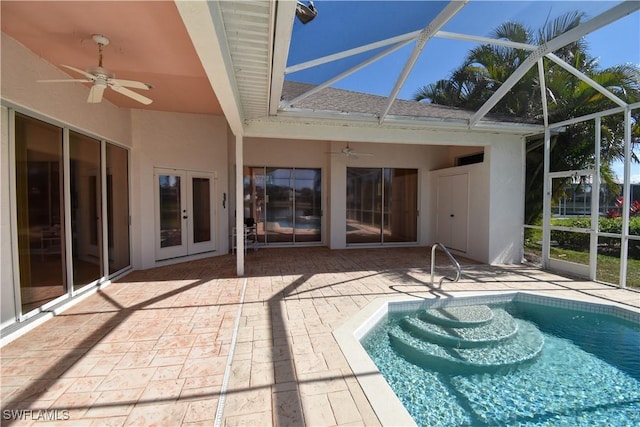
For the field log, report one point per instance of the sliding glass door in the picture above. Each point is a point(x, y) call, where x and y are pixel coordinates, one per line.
point(59, 211)
point(382, 205)
point(279, 207)
point(285, 203)
point(364, 205)
point(86, 209)
point(40, 212)
point(307, 206)
point(118, 208)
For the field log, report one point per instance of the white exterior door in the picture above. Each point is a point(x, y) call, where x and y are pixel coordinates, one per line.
point(453, 211)
point(184, 213)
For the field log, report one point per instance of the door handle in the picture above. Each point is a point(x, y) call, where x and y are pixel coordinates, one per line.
point(185, 217)
point(452, 215)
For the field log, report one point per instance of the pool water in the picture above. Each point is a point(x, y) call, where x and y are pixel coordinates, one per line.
point(520, 364)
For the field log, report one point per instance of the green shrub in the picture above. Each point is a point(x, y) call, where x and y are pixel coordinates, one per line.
point(580, 241)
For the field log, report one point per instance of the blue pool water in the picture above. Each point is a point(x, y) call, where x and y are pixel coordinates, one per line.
point(528, 365)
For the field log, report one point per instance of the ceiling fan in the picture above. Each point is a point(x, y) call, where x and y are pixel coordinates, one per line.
point(350, 152)
point(103, 78)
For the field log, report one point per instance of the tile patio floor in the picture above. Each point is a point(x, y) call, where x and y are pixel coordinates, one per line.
point(151, 348)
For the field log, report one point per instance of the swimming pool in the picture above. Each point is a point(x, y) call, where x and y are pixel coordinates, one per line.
point(565, 364)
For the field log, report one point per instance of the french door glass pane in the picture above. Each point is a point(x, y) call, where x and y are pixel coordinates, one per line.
point(39, 196)
point(86, 224)
point(118, 207)
point(170, 215)
point(280, 194)
point(364, 205)
point(308, 205)
point(201, 210)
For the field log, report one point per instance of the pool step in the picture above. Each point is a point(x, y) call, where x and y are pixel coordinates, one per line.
point(502, 327)
point(459, 317)
point(498, 344)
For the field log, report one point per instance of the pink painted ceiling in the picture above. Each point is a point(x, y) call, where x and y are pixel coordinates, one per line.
point(148, 42)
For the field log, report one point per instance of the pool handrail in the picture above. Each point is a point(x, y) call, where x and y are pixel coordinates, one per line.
point(451, 258)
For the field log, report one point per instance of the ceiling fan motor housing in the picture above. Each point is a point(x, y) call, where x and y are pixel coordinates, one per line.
point(101, 73)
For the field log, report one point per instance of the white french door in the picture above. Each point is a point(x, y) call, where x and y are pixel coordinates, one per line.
point(184, 213)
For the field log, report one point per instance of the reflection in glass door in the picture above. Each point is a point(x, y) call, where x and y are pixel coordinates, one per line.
point(382, 205)
point(184, 213)
point(86, 222)
point(40, 212)
point(171, 208)
point(286, 204)
point(364, 205)
point(307, 206)
point(118, 208)
point(201, 208)
point(279, 206)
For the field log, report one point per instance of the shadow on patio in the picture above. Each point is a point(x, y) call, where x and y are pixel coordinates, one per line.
point(153, 347)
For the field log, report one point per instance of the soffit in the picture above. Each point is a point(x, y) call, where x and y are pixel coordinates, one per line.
point(248, 29)
point(148, 43)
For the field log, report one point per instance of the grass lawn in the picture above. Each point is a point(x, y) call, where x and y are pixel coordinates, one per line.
point(608, 266)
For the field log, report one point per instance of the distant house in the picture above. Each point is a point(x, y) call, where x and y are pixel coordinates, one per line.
point(576, 200)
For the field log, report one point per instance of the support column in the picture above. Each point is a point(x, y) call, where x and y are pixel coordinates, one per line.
point(239, 207)
point(595, 204)
point(546, 204)
point(626, 199)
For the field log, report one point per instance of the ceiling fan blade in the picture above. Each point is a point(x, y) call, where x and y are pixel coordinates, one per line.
point(131, 94)
point(65, 81)
point(355, 153)
point(130, 83)
point(95, 94)
point(79, 71)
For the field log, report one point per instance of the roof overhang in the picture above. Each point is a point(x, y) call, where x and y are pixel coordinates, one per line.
point(365, 128)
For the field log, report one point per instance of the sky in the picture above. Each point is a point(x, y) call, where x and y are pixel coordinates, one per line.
point(342, 25)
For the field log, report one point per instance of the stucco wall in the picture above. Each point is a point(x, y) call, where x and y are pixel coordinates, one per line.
point(191, 142)
point(506, 182)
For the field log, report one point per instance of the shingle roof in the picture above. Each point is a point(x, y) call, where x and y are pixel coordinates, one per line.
point(346, 101)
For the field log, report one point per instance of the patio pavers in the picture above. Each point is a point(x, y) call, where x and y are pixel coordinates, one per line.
point(152, 348)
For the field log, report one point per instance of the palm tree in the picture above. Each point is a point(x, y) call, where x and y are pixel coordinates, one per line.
point(487, 67)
